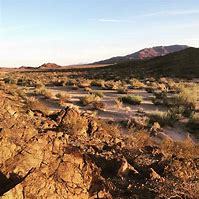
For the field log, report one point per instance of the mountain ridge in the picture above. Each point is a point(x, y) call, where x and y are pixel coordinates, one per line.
point(146, 53)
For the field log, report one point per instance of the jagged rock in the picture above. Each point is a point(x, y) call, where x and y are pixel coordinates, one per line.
point(71, 121)
point(155, 176)
point(125, 168)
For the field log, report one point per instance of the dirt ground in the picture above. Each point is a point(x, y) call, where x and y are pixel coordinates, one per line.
point(112, 112)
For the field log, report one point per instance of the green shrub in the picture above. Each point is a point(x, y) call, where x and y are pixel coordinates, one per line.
point(99, 94)
point(169, 118)
point(131, 99)
point(9, 80)
point(122, 90)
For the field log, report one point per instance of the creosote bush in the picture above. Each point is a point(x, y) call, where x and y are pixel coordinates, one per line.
point(131, 99)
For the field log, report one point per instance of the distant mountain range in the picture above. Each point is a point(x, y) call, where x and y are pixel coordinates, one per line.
point(181, 64)
point(145, 53)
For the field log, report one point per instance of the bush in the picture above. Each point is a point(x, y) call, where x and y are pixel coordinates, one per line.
point(193, 124)
point(187, 100)
point(169, 118)
point(24, 82)
point(135, 83)
point(9, 80)
point(98, 105)
point(99, 94)
point(35, 105)
point(64, 97)
point(98, 83)
point(122, 90)
point(131, 99)
point(89, 99)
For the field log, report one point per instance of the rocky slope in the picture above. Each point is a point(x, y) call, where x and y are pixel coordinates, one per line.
point(49, 66)
point(70, 154)
point(145, 53)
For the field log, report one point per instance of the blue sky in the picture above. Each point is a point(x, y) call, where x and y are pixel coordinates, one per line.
point(33, 32)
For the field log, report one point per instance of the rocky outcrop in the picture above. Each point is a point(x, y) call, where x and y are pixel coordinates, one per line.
point(76, 156)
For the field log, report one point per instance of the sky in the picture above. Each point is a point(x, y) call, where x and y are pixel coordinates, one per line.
point(33, 32)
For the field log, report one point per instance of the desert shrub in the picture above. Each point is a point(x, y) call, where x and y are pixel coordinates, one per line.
point(110, 129)
point(187, 99)
point(84, 83)
point(98, 83)
point(89, 99)
point(131, 99)
point(58, 83)
point(71, 82)
point(98, 105)
point(169, 118)
point(109, 84)
point(122, 90)
point(63, 97)
point(193, 124)
point(88, 89)
point(75, 87)
point(135, 83)
point(25, 82)
point(99, 94)
point(9, 80)
point(35, 105)
point(118, 104)
point(39, 85)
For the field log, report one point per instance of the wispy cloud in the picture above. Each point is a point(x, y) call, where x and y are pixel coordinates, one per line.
point(171, 13)
point(153, 14)
point(15, 28)
point(113, 20)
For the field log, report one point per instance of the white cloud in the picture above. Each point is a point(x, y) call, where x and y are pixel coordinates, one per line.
point(113, 20)
point(171, 13)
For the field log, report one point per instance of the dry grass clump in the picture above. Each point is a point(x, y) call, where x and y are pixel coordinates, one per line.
point(138, 140)
point(43, 91)
point(110, 129)
point(59, 82)
point(10, 80)
point(98, 105)
point(118, 104)
point(98, 83)
point(193, 124)
point(169, 118)
point(122, 90)
point(89, 99)
point(63, 98)
point(179, 158)
point(99, 94)
point(135, 83)
point(84, 83)
point(35, 105)
point(131, 99)
point(71, 82)
point(25, 82)
point(188, 97)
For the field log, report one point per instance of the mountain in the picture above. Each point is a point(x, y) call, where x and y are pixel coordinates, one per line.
point(49, 66)
point(181, 64)
point(145, 53)
point(26, 68)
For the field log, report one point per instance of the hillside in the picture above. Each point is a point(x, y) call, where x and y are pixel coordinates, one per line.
point(182, 64)
point(145, 53)
point(49, 66)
